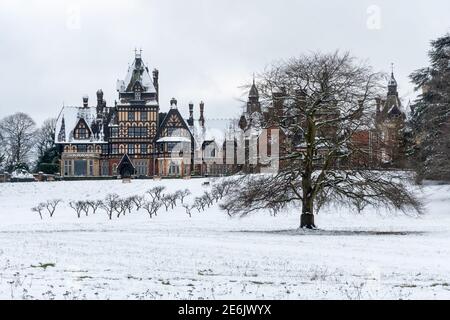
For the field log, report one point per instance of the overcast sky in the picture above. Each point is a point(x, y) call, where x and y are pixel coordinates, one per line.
point(54, 52)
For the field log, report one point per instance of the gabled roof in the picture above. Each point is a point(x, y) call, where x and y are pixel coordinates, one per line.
point(69, 118)
point(167, 116)
point(125, 161)
point(137, 71)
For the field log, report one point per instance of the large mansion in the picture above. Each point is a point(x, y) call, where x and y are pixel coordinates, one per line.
point(133, 137)
point(138, 137)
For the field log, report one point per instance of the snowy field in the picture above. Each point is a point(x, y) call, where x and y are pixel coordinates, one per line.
point(212, 256)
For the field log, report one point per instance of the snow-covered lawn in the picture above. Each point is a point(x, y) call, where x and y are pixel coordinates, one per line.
point(212, 256)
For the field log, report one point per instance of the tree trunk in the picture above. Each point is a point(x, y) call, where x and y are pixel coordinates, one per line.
point(307, 217)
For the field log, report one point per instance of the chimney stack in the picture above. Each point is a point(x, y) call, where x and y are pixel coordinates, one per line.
point(191, 114)
point(99, 101)
point(156, 82)
point(85, 102)
point(173, 103)
point(202, 110)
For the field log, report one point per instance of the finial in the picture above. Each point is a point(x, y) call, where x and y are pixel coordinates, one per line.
point(392, 68)
point(253, 78)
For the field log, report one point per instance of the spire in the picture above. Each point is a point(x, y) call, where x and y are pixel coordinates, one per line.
point(253, 90)
point(62, 131)
point(253, 104)
point(392, 84)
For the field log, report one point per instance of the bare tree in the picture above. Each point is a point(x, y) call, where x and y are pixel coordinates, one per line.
point(138, 201)
point(78, 207)
point(208, 198)
point(18, 135)
point(129, 204)
point(39, 208)
point(182, 194)
point(325, 100)
point(121, 207)
point(109, 204)
point(200, 204)
point(173, 198)
point(166, 201)
point(95, 205)
point(152, 207)
point(51, 205)
point(156, 193)
point(188, 207)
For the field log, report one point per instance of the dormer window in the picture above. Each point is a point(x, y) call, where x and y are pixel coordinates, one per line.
point(82, 131)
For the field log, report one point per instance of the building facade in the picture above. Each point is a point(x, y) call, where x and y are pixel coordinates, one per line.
point(133, 137)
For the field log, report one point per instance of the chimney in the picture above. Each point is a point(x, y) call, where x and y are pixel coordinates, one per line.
point(156, 82)
point(202, 118)
point(191, 114)
point(85, 102)
point(173, 103)
point(99, 101)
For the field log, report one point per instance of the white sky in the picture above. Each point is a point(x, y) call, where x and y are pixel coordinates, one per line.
point(204, 49)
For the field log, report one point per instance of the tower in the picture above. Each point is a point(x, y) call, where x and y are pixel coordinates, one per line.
point(136, 116)
point(253, 104)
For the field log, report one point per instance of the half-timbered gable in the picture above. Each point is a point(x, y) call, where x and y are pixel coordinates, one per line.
point(82, 130)
point(174, 144)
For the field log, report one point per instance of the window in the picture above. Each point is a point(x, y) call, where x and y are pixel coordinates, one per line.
point(114, 132)
point(105, 149)
point(144, 149)
point(80, 167)
point(105, 168)
point(114, 149)
point(141, 167)
point(137, 95)
point(91, 167)
point(82, 133)
point(137, 132)
point(131, 116)
point(131, 149)
point(82, 148)
point(144, 116)
point(67, 167)
point(174, 169)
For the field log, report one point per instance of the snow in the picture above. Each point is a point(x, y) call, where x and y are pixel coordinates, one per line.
point(212, 256)
point(72, 116)
point(21, 174)
point(214, 130)
point(146, 79)
point(173, 139)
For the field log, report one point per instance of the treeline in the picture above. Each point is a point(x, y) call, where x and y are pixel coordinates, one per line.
point(24, 145)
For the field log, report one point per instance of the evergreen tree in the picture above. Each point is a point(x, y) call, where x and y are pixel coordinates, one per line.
point(47, 151)
point(430, 114)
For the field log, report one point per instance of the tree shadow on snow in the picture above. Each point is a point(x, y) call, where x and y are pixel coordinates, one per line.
point(320, 232)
